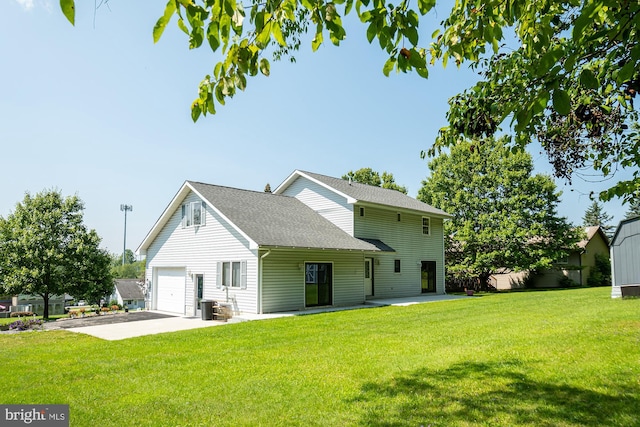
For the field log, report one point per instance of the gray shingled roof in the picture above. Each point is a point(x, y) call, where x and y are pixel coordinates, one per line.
point(377, 195)
point(275, 220)
point(129, 289)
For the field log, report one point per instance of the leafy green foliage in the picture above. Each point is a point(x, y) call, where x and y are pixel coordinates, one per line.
point(69, 10)
point(504, 218)
point(596, 216)
point(600, 274)
point(45, 249)
point(131, 269)
point(569, 81)
point(370, 177)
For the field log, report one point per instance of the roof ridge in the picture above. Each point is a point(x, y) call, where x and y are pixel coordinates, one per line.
point(237, 189)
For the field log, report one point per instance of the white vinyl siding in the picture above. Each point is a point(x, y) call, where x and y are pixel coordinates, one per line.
point(198, 249)
point(410, 245)
point(325, 202)
point(232, 274)
point(284, 278)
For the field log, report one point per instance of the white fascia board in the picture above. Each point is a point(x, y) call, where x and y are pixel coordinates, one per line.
point(171, 208)
point(298, 173)
point(164, 218)
point(404, 210)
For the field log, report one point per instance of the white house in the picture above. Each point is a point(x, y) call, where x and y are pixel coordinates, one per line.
point(315, 241)
point(625, 259)
point(128, 293)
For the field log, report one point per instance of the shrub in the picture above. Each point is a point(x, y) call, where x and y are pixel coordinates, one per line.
point(600, 274)
point(566, 282)
point(23, 325)
point(22, 313)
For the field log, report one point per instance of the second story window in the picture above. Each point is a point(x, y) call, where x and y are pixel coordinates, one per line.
point(193, 214)
point(361, 211)
point(426, 226)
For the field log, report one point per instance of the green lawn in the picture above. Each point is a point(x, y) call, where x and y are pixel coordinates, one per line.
point(554, 358)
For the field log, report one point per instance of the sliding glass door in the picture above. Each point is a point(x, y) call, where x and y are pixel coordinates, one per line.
point(318, 284)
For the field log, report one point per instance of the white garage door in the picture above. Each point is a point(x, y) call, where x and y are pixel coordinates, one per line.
point(170, 290)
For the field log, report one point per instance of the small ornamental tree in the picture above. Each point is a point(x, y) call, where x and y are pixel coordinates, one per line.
point(46, 250)
point(504, 218)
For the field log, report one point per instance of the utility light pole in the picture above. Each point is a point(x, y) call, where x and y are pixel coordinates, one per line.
point(125, 208)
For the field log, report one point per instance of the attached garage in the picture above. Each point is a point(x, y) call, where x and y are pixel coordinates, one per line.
point(170, 290)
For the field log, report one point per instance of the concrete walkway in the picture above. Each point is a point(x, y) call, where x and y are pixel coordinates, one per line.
point(172, 323)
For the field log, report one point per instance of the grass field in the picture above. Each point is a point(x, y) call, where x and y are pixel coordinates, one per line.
point(552, 358)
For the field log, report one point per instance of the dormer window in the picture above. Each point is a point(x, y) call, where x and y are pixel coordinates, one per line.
point(193, 214)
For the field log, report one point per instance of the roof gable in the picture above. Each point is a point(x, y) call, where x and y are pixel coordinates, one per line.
point(356, 192)
point(622, 223)
point(129, 289)
point(277, 220)
point(265, 219)
point(591, 232)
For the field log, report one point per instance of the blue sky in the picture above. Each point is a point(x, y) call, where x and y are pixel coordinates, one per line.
point(99, 111)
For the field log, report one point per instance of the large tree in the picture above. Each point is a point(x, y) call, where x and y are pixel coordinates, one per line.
point(46, 250)
point(132, 269)
point(371, 177)
point(634, 209)
point(504, 218)
point(564, 72)
point(595, 215)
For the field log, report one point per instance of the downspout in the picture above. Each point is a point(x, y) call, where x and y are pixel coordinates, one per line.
point(260, 280)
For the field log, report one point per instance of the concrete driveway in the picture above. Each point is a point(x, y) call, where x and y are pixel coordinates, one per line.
point(128, 325)
point(140, 323)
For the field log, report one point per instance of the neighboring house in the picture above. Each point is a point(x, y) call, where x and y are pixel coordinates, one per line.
point(577, 266)
point(35, 304)
point(128, 293)
point(315, 241)
point(625, 258)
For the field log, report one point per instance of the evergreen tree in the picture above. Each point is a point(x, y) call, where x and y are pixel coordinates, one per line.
point(634, 208)
point(596, 216)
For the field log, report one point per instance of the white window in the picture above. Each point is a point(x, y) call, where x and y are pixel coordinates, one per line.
point(193, 214)
point(232, 274)
point(426, 226)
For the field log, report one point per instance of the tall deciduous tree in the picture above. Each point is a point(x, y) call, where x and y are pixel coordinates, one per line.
point(371, 177)
point(503, 216)
point(567, 76)
point(46, 250)
point(596, 216)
